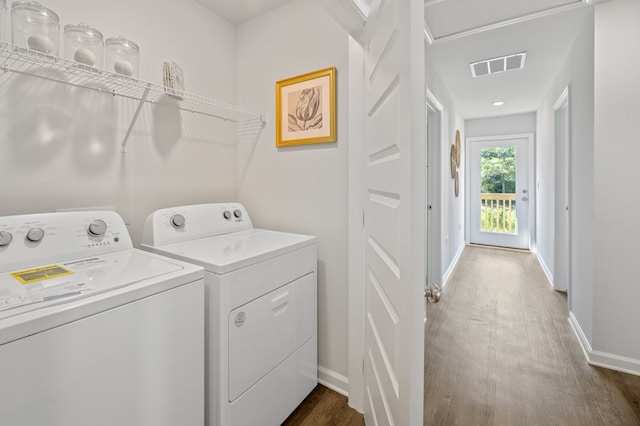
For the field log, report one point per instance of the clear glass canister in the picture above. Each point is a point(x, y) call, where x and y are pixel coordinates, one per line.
point(34, 26)
point(3, 13)
point(84, 45)
point(122, 56)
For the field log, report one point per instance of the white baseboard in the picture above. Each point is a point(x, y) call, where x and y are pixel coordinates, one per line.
point(582, 338)
point(452, 265)
point(603, 359)
point(546, 270)
point(333, 380)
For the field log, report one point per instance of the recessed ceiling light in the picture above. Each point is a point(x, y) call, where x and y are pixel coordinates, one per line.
point(498, 103)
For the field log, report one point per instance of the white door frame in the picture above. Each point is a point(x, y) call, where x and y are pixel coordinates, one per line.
point(435, 202)
point(531, 177)
point(562, 216)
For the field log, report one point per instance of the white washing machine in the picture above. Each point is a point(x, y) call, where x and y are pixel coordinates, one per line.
point(261, 308)
point(93, 331)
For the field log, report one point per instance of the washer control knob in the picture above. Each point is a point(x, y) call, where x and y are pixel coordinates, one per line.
point(35, 234)
point(227, 214)
point(97, 228)
point(177, 221)
point(5, 238)
point(237, 213)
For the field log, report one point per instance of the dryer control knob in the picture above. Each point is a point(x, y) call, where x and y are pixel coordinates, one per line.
point(177, 221)
point(227, 214)
point(5, 238)
point(35, 234)
point(237, 213)
point(97, 228)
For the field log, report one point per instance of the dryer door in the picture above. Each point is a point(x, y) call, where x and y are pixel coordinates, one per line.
point(265, 331)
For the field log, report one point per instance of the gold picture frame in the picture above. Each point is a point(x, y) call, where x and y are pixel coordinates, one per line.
point(306, 108)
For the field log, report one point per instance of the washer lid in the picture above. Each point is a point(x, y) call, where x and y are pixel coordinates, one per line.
point(225, 253)
point(45, 286)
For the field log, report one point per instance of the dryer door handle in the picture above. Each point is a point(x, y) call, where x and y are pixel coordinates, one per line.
point(279, 303)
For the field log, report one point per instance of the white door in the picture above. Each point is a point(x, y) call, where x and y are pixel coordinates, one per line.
point(562, 270)
point(395, 204)
point(499, 190)
point(434, 194)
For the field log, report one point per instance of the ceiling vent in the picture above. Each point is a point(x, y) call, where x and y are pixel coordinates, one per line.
point(496, 65)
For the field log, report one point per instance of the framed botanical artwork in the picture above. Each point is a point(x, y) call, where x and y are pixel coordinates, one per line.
point(306, 108)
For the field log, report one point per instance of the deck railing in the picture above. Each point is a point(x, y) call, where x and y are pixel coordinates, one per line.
point(498, 213)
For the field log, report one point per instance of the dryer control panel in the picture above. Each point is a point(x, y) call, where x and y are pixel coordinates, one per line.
point(41, 238)
point(186, 223)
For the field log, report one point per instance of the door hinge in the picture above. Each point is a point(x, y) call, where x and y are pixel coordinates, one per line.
point(363, 218)
point(363, 366)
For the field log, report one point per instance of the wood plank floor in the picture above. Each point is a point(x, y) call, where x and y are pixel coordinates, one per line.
point(500, 351)
point(324, 407)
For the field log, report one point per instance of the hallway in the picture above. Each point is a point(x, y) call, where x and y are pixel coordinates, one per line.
point(500, 351)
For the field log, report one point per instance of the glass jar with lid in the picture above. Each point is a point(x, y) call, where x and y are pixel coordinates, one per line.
point(122, 56)
point(84, 45)
point(34, 26)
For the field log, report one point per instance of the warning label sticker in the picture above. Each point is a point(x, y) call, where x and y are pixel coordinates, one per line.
point(29, 276)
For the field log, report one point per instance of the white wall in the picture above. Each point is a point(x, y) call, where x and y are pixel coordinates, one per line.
point(452, 213)
point(577, 73)
point(501, 125)
point(60, 146)
point(617, 149)
point(301, 189)
point(546, 175)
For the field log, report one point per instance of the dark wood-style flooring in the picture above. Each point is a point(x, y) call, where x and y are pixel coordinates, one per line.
point(324, 407)
point(500, 351)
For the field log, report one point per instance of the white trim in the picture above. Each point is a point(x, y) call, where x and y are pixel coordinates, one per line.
point(563, 99)
point(615, 362)
point(428, 35)
point(603, 359)
point(452, 265)
point(356, 227)
point(435, 103)
point(509, 22)
point(582, 338)
point(334, 381)
point(545, 268)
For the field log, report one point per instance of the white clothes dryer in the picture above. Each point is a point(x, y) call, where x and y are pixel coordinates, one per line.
point(261, 308)
point(93, 331)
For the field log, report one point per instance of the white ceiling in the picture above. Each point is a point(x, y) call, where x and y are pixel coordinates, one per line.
point(545, 29)
point(448, 17)
point(239, 11)
point(467, 31)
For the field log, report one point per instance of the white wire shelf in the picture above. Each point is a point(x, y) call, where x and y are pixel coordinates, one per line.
point(37, 64)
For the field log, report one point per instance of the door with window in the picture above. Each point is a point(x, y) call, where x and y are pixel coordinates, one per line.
point(500, 198)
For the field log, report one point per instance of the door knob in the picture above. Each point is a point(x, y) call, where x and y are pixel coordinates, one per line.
point(433, 293)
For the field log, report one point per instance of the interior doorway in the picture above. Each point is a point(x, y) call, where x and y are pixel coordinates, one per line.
point(562, 246)
point(434, 190)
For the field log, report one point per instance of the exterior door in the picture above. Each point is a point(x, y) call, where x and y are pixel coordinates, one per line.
point(500, 196)
point(395, 204)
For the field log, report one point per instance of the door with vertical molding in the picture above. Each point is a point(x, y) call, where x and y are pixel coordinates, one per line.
point(395, 205)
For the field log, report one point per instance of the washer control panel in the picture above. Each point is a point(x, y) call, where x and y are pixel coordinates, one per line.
point(39, 238)
point(177, 224)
